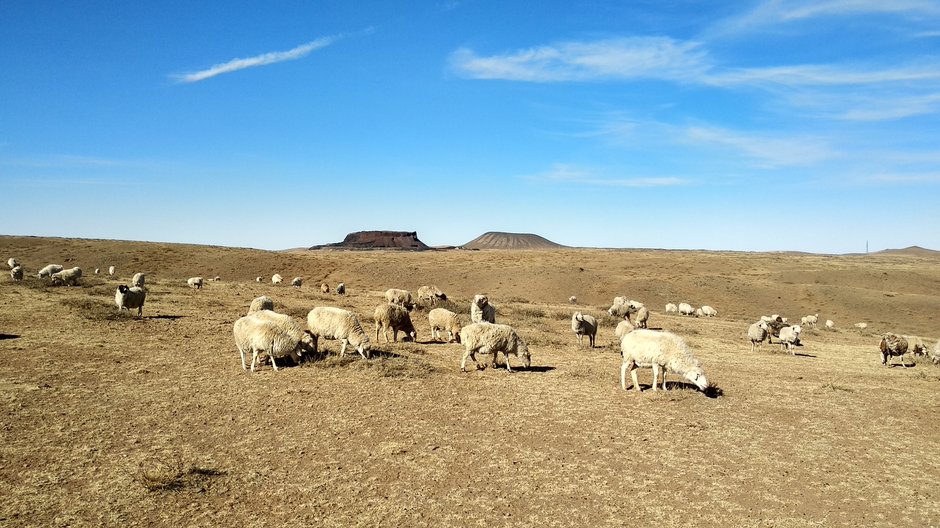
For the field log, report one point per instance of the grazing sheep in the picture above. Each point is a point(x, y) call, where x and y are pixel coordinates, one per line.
point(276, 278)
point(861, 326)
point(127, 298)
point(432, 294)
point(621, 307)
point(16, 273)
point(699, 312)
point(830, 324)
point(774, 324)
point(276, 335)
point(790, 337)
point(623, 328)
point(395, 317)
point(111, 271)
point(915, 345)
point(195, 282)
point(324, 288)
point(341, 289)
point(757, 333)
point(935, 354)
point(68, 277)
point(138, 280)
point(481, 310)
point(297, 282)
point(12, 263)
point(583, 325)
point(641, 317)
point(686, 309)
point(671, 308)
point(97, 270)
point(261, 303)
point(810, 320)
point(49, 270)
point(491, 338)
point(259, 279)
point(216, 278)
point(709, 311)
point(335, 323)
point(572, 300)
point(399, 297)
point(662, 351)
point(893, 345)
point(442, 319)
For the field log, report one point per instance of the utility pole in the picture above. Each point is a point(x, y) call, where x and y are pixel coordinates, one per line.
point(866, 247)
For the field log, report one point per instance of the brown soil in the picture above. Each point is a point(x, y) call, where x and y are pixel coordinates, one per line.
point(113, 421)
point(497, 240)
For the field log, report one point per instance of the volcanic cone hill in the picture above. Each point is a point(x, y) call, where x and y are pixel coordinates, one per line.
point(498, 240)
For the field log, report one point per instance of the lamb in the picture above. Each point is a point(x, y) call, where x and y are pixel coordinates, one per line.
point(276, 279)
point(623, 328)
point(259, 279)
point(49, 270)
point(572, 300)
point(642, 316)
point(810, 320)
point(127, 298)
point(261, 303)
point(789, 337)
point(325, 288)
point(399, 297)
point(68, 277)
point(395, 317)
point(757, 333)
point(916, 345)
point(138, 280)
point(335, 323)
point(12, 263)
point(111, 271)
point(662, 351)
point(16, 273)
point(276, 335)
point(195, 282)
point(686, 309)
point(671, 308)
point(893, 345)
point(442, 319)
point(341, 289)
point(709, 311)
point(491, 338)
point(481, 310)
point(297, 282)
point(583, 325)
point(830, 325)
point(432, 294)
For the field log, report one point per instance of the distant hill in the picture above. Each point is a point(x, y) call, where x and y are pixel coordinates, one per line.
point(916, 251)
point(497, 240)
point(406, 240)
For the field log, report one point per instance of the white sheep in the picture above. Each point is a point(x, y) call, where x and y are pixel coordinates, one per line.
point(49, 270)
point(324, 288)
point(861, 326)
point(111, 271)
point(699, 312)
point(396, 318)
point(442, 319)
point(709, 311)
point(68, 277)
point(276, 335)
point(259, 279)
point(491, 338)
point(16, 273)
point(335, 323)
point(623, 328)
point(661, 351)
point(276, 278)
point(572, 300)
point(297, 282)
point(138, 280)
point(757, 333)
point(915, 345)
point(583, 325)
point(686, 309)
point(893, 345)
point(935, 354)
point(432, 294)
point(399, 297)
point(341, 289)
point(481, 310)
point(671, 308)
point(128, 298)
point(261, 303)
point(830, 324)
point(641, 317)
point(195, 282)
point(216, 278)
point(789, 337)
point(809, 320)
point(97, 270)
point(12, 263)
point(622, 307)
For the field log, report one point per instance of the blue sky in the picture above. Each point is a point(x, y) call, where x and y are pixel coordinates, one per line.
point(761, 125)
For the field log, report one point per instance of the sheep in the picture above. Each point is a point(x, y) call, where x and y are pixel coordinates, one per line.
point(830, 324)
point(861, 326)
point(442, 319)
point(16, 273)
point(195, 282)
point(893, 345)
point(395, 317)
point(276, 335)
point(399, 297)
point(341, 289)
point(324, 288)
point(432, 294)
point(916, 345)
point(127, 298)
point(774, 324)
point(276, 279)
point(335, 323)
point(699, 313)
point(572, 300)
point(662, 351)
point(297, 282)
point(12, 263)
point(935, 354)
point(709, 311)
point(623, 328)
point(757, 333)
point(68, 277)
point(111, 271)
point(583, 325)
point(138, 280)
point(790, 337)
point(809, 320)
point(97, 270)
point(49, 270)
point(686, 309)
point(671, 308)
point(216, 278)
point(259, 279)
point(642, 316)
point(481, 310)
point(491, 338)
point(261, 303)
point(621, 307)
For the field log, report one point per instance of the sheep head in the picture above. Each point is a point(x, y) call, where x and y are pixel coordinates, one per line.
point(697, 376)
point(523, 352)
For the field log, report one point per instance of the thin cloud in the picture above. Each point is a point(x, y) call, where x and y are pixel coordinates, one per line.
point(564, 173)
point(625, 58)
point(768, 152)
point(822, 75)
point(66, 161)
point(258, 60)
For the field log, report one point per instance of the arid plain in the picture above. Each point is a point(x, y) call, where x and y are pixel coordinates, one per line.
point(113, 421)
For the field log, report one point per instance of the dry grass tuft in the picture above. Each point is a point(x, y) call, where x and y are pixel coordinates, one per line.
point(96, 309)
point(157, 476)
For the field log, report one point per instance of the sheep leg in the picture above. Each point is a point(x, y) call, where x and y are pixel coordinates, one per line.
point(655, 375)
point(623, 376)
point(254, 357)
point(579, 340)
point(664, 379)
point(394, 334)
point(273, 363)
point(342, 351)
point(506, 357)
point(463, 362)
point(636, 382)
point(242, 353)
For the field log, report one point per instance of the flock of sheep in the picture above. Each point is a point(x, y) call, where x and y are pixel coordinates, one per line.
point(264, 332)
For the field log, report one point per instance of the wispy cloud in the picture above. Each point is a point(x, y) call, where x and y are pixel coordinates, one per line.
point(66, 161)
point(766, 151)
point(565, 173)
point(258, 60)
point(625, 58)
point(823, 75)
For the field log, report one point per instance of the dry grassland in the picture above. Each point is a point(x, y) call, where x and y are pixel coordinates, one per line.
point(113, 421)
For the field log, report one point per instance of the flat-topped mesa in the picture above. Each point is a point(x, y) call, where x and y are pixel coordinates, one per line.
point(405, 240)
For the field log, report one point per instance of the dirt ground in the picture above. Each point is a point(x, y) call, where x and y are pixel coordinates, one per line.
point(113, 421)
